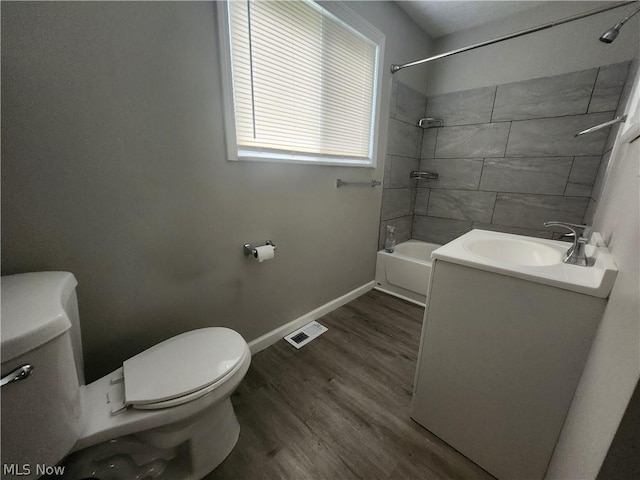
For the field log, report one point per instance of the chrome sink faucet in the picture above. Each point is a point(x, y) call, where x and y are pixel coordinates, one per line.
point(576, 254)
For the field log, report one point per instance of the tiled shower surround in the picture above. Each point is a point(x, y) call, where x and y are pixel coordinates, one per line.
point(507, 157)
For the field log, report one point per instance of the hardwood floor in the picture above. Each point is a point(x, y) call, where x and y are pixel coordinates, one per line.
point(339, 407)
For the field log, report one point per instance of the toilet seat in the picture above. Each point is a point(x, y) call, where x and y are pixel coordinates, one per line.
point(182, 368)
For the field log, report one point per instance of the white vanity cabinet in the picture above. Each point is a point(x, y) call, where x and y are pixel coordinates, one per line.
point(500, 359)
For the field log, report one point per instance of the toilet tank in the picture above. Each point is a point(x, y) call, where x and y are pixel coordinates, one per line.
point(41, 414)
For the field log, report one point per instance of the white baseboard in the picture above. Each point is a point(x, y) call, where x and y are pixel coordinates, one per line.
point(273, 336)
point(399, 295)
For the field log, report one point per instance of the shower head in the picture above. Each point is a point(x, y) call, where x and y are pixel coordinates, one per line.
point(610, 35)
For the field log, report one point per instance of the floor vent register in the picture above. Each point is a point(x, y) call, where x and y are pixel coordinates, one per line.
point(304, 335)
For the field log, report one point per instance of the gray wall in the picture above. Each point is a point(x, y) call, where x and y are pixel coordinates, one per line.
point(566, 48)
point(406, 41)
point(114, 168)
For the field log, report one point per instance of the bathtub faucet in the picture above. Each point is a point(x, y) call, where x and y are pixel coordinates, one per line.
point(576, 254)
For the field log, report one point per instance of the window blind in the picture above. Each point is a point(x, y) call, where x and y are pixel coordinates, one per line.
point(304, 82)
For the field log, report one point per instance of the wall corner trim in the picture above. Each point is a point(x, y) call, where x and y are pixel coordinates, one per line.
point(273, 336)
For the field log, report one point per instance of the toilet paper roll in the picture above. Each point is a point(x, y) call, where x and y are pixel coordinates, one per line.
point(265, 252)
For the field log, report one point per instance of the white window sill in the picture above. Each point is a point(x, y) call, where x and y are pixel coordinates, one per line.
point(301, 159)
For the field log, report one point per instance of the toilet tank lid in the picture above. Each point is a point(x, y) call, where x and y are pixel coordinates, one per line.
point(33, 310)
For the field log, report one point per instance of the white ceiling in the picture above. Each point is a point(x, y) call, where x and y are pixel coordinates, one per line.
point(442, 17)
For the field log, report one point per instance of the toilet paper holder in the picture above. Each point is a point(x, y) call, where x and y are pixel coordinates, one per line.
point(249, 250)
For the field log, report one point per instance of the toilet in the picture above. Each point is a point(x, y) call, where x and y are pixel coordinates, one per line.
point(165, 414)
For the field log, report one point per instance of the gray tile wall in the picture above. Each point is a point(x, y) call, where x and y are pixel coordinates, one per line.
point(404, 146)
point(610, 85)
point(506, 156)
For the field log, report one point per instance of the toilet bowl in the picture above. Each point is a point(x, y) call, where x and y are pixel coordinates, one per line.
point(166, 413)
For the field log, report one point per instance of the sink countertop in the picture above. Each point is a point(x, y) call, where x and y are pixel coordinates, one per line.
point(596, 280)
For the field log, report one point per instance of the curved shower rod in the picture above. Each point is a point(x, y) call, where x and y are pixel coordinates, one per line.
point(395, 68)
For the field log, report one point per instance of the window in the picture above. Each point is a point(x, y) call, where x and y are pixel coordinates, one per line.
point(302, 83)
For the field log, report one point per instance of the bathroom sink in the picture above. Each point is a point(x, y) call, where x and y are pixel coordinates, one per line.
point(517, 252)
point(534, 259)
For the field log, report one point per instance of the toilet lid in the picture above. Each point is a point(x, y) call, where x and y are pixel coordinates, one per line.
point(181, 365)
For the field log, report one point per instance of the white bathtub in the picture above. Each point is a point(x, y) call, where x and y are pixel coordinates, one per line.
point(405, 272)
